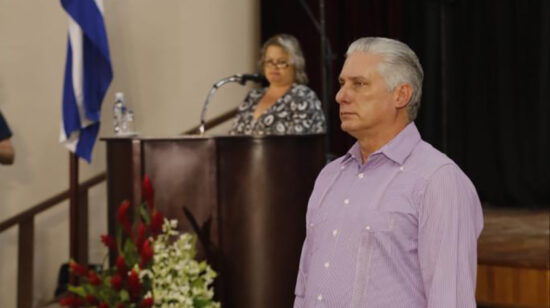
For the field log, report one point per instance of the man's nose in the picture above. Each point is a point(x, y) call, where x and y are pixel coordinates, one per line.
point(341, 95)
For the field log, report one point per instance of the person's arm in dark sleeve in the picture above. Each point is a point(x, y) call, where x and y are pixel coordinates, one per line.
point(7, 153)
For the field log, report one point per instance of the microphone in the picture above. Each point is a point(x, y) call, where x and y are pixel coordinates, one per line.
point(258, 78)
point(240, 78)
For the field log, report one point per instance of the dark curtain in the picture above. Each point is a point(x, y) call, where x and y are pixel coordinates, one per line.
point(486, 89)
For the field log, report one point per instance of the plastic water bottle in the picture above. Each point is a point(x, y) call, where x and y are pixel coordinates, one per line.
point(119, 114)
point(129, 122)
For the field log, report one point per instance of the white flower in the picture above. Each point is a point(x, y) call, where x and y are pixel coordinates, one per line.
point(177, 278)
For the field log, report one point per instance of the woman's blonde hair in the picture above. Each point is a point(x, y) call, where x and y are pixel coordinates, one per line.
point(292, 47)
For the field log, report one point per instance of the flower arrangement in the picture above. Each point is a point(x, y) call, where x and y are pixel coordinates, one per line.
point(155, 267)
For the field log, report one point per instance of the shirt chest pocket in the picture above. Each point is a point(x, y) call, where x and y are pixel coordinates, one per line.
point(376, 230)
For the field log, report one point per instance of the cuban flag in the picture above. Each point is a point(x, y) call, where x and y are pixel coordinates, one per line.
point(88, 74)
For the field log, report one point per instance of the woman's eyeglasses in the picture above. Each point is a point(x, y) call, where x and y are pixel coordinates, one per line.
point(278, 64)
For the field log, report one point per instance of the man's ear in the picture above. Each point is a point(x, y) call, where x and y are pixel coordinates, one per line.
point(402, 95)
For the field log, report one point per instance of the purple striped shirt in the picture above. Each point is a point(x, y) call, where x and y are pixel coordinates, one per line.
point(397, 231)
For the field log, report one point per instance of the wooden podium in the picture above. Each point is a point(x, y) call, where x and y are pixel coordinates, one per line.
point(248, 196)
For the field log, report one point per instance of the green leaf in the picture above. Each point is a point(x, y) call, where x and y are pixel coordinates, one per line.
point(144, 213)
point(201, 302)
point(124, 296)
point(89, 289)
point(107, 294)
point(130, 253)
point(77, 290)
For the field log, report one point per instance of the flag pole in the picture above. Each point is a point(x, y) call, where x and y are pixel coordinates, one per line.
point(78, 216)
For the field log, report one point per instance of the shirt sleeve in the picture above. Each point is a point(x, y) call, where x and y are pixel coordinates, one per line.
point(5, 132)
point(300, 289)
point(450, 221)
point(309, 117)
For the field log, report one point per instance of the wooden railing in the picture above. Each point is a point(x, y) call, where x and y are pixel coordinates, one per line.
point(25, 221)
point(78, 235)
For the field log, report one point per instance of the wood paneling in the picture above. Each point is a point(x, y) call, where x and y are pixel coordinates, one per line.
point(514, 259)
point(483, 284)
point(500, 286)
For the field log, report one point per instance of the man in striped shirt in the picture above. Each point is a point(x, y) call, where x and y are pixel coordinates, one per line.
point(394, 222)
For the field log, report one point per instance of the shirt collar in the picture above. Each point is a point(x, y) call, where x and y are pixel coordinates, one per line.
point(397, 149)
point(353, 153)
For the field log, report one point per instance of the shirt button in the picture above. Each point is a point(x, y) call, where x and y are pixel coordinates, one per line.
point(401, 168)
point(311, 225)
point(360, 175)
point(342, 167)
point(334, 232)
point(346, 201)
point(327, 264)
point(320, 297)
point(367, 227)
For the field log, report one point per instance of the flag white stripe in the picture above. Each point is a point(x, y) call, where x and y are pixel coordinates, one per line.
point(99, 4)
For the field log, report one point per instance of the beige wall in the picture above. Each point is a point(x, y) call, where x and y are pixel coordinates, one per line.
point(166, 55)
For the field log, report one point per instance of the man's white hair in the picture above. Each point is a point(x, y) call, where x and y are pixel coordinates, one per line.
point(399, 65)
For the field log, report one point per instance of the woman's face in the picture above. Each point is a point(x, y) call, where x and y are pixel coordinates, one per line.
point(277, 69)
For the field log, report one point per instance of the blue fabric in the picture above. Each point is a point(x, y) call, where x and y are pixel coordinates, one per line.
point(96, 70)
point(5, 131)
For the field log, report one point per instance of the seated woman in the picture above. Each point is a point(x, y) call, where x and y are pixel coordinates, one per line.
point(286, 106)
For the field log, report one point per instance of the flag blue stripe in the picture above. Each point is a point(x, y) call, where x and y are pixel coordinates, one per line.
point(97, 77)
point(88, 136)
point(87, 15)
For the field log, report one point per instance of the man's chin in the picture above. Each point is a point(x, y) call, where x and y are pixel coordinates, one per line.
point(347, 127)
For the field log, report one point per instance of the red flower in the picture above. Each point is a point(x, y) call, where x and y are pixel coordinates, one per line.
point(156, 223)
point(78, 269)
point(103, 305)
point(94, 279)
point(121, 265)
point(140, 236)
point(146, 253)
point(116, 282)
point(71, 300)
point(120, 305)
point(147, 190)
point(92, 300)
point(109, 241)
point(147, 302)
point(122, 217)
point(134, 286)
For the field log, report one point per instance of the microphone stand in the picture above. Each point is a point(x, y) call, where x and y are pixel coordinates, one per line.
point(234, 78)
point(326, 67)
point(240, 78)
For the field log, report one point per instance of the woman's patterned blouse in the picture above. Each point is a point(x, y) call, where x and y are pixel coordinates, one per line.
point(297, 112)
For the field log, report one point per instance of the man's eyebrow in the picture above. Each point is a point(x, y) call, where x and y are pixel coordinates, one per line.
point(359, 78)
point(353, 78)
